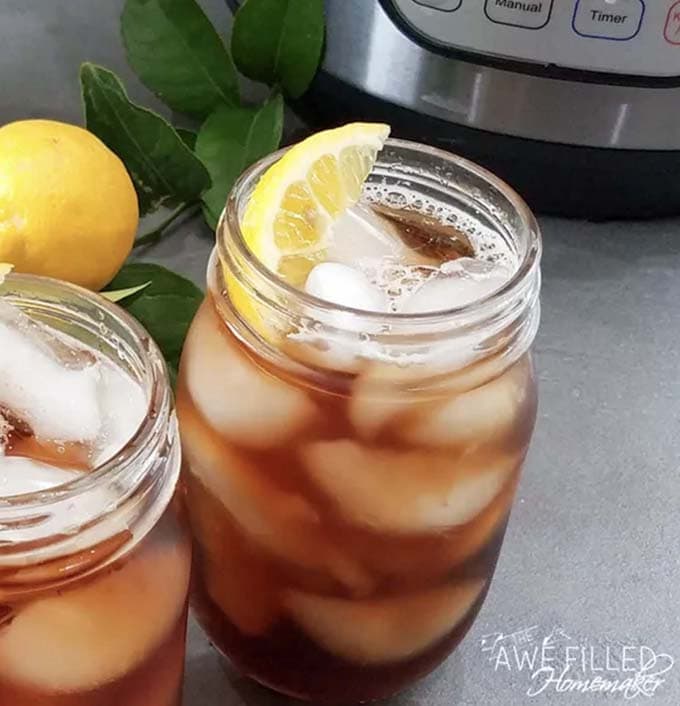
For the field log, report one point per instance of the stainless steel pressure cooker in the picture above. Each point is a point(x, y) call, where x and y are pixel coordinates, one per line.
point(574, 102)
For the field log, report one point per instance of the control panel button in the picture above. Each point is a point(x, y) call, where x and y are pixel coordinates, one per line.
point(529, 14)
point(671, 31)
point(443, 5)
point(617, 20)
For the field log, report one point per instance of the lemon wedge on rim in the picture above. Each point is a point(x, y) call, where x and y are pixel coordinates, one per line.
point(288, 219)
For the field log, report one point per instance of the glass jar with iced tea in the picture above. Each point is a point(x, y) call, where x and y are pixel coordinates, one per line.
point(353, 432)
point(94, 550)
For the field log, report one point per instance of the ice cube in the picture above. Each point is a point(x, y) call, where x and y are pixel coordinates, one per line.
point(404, 491)
point(343, 344)
point(243, 402)
point(123, 406)
point(58, 402)
point(362, 237)
point(93, 633)
point(424, 559)
point(387, 394)
point(282, 523)
point(481, 414)
point(68, 513)
point(52, 343)
point(346, 286)
point(19, 475)
point(383, 630)
point(312, 350)
point(246, 590)
point(456, 284)
point(383, 268)
point(362, 234)
point(380, 396)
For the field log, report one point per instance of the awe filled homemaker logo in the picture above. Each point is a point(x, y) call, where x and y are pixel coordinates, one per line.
point(553, 662)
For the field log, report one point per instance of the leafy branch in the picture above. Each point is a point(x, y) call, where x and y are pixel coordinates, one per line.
point(180, 56)
point(153, 236)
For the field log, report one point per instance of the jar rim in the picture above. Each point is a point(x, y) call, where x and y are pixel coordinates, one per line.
point(526, 273)
point(121, 466)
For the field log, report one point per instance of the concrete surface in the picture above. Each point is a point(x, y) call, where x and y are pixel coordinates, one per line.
point(592, 547)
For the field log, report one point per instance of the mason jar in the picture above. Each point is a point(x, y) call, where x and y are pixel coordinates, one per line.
point(94, 569)
point(350, 474)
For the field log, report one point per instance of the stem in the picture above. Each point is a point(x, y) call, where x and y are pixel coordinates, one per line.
point(156, 234)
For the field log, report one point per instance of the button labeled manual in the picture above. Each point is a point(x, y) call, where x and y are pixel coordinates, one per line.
point(529, 14)
point(617, 20)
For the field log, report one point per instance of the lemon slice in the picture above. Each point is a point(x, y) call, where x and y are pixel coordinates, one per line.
point(288, 218)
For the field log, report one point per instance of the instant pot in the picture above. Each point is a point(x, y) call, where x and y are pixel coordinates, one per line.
point(575, 102)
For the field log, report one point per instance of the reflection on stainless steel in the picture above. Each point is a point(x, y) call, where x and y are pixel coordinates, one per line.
point(620, 123)
point(367, 50)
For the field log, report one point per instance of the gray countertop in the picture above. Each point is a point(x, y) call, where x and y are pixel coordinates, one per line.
point(592, 547)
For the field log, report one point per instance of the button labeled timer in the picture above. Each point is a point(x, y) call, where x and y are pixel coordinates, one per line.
point(617, 20)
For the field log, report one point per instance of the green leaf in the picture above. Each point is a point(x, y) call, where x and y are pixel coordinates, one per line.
point(232, 139)
point(165, 308)
point(188, 137)
point(177, 53)
point(279, 42)
point(119, 294)
point(163, 169)
point(211, 218)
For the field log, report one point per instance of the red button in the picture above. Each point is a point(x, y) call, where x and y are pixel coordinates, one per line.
point(672, 30)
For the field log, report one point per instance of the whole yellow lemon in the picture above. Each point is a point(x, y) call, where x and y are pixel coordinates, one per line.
point(68, 208)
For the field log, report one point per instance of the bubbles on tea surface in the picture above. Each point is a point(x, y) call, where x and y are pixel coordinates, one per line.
point(401, 253)
point(397, 280)
point(396, 199)
point(488, 243)
point(401, 256)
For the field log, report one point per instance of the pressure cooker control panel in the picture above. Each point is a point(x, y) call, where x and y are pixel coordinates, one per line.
point(635, 37)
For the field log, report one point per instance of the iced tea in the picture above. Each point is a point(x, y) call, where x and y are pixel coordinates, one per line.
point(94, 551)
point(351, 463)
